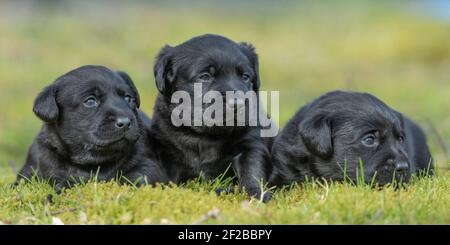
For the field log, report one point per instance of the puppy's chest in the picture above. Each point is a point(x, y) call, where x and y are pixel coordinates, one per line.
point(107, 171)
point(209, 158)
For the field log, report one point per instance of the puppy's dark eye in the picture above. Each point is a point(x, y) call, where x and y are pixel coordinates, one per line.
point(128, 98)
point(369, 140)
point(246, 77)
point(205, 77)
point(90, 102)
point(401, 139)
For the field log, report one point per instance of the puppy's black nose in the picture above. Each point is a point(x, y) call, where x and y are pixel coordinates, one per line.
point(235, 104)
point(401, 167)
point(123, 122)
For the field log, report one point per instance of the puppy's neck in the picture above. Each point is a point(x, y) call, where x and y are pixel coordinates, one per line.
point(49, 138)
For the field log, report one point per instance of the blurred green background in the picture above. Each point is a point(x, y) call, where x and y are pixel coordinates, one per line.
point(397, 50)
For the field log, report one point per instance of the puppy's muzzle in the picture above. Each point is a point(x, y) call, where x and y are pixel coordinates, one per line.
point(235, 104)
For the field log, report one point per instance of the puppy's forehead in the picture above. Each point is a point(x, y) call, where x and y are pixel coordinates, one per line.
point(360, 109)
point(210, 49)
point(208, 42)
point(90, 77)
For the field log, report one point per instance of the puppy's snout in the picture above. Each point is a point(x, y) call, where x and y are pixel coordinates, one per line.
point(236, 104)
point(401, 167)
point(123, 123)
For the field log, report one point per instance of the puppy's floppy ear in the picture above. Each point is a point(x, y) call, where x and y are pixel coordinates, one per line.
point(45, 106)
point(316, 134)
point(163, 70)
point(249, 51)
point(130, 84)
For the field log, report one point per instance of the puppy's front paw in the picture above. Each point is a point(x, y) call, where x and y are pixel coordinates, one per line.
point(49, 198)
point(18, 180)
point(267, 196)
point(16, 183)
point(228, 190)
point(60, 186)
point(135, 181)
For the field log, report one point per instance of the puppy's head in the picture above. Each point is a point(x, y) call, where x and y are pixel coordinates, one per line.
point(93, 111)
point(342, 130)
point(215, 62)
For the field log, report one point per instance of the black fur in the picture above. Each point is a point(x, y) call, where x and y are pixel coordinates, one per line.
point(188, 151)
point(80, 139)
point(335, 132)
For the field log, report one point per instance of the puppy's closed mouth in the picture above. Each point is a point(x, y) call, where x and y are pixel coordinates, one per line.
point(94, 140)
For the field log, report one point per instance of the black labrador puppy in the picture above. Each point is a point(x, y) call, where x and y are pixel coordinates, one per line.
point(92, 128)
point(188, 151)
point(331, 136)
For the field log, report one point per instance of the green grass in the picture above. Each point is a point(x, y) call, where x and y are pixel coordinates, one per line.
point(422, 202)
point(400, 55)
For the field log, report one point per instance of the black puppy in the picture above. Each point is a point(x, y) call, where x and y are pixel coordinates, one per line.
point(221, 65)
point(92, 128)
point(341, 130)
